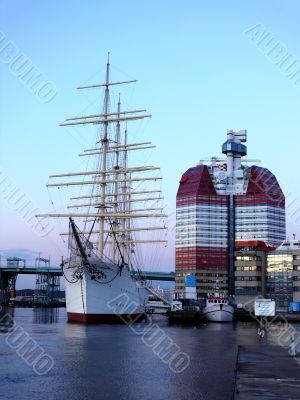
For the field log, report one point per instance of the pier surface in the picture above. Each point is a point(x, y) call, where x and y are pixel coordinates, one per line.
point(266, 373)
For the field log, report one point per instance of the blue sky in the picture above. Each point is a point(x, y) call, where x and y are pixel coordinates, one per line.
point(198, 73)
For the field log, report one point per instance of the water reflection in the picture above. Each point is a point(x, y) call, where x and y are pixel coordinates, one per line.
point(6, 319)
point(77, 331)
point(114, 362)
point(45, 315)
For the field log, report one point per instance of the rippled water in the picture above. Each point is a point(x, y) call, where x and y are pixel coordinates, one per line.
point(114, 362)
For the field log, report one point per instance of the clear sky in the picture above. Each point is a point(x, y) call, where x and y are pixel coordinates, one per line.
point(199, 75)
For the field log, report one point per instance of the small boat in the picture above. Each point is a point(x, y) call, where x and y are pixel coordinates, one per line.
point(186, 315)
point(189, 313)
point(217, 307)
point(156, 306)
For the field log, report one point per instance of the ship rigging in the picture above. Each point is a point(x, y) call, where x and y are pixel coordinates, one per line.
point(101, 249)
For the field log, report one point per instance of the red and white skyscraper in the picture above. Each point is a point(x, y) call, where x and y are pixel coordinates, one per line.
point(218, 203)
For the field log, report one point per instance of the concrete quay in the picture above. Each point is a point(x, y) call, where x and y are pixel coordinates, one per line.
point(266, 372)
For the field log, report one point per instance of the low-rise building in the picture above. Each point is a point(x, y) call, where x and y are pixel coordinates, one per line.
point(261, 270)
point(283, 274)
point(250, 269)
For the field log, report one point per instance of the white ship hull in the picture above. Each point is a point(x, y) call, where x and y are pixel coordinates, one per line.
point(218, 313)
point(119, 301)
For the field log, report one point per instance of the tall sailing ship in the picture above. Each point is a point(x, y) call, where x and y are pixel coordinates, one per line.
point(104, 283)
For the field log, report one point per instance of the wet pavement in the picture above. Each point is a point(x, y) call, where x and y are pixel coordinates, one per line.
point(267, 373)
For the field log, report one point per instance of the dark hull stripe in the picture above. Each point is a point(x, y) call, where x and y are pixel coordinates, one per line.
point(208, 312)
point(105, 318)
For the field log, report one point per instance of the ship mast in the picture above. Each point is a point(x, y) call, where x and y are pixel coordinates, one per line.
point(129, 231)
point(125, 190)
point(104, 142)
point(116, 194)
point(116, 167)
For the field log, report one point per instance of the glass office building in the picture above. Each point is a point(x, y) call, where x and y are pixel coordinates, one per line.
point(280, 278)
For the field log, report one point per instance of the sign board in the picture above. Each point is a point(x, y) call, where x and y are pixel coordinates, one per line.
point(264, 308)
point(190, 280)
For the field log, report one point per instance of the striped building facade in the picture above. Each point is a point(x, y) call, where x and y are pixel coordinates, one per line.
point(201, 230)
point(214, 208)
point(260, 213)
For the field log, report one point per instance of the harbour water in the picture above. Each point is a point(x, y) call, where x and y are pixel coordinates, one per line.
point(117, 362)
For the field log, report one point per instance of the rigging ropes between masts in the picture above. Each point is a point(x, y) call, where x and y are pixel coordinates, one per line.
point(113, 203)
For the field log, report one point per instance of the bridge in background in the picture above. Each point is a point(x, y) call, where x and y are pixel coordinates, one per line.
point(48, 280)
point(151, 276)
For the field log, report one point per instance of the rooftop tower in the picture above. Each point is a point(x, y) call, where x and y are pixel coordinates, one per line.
point(218, 202)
